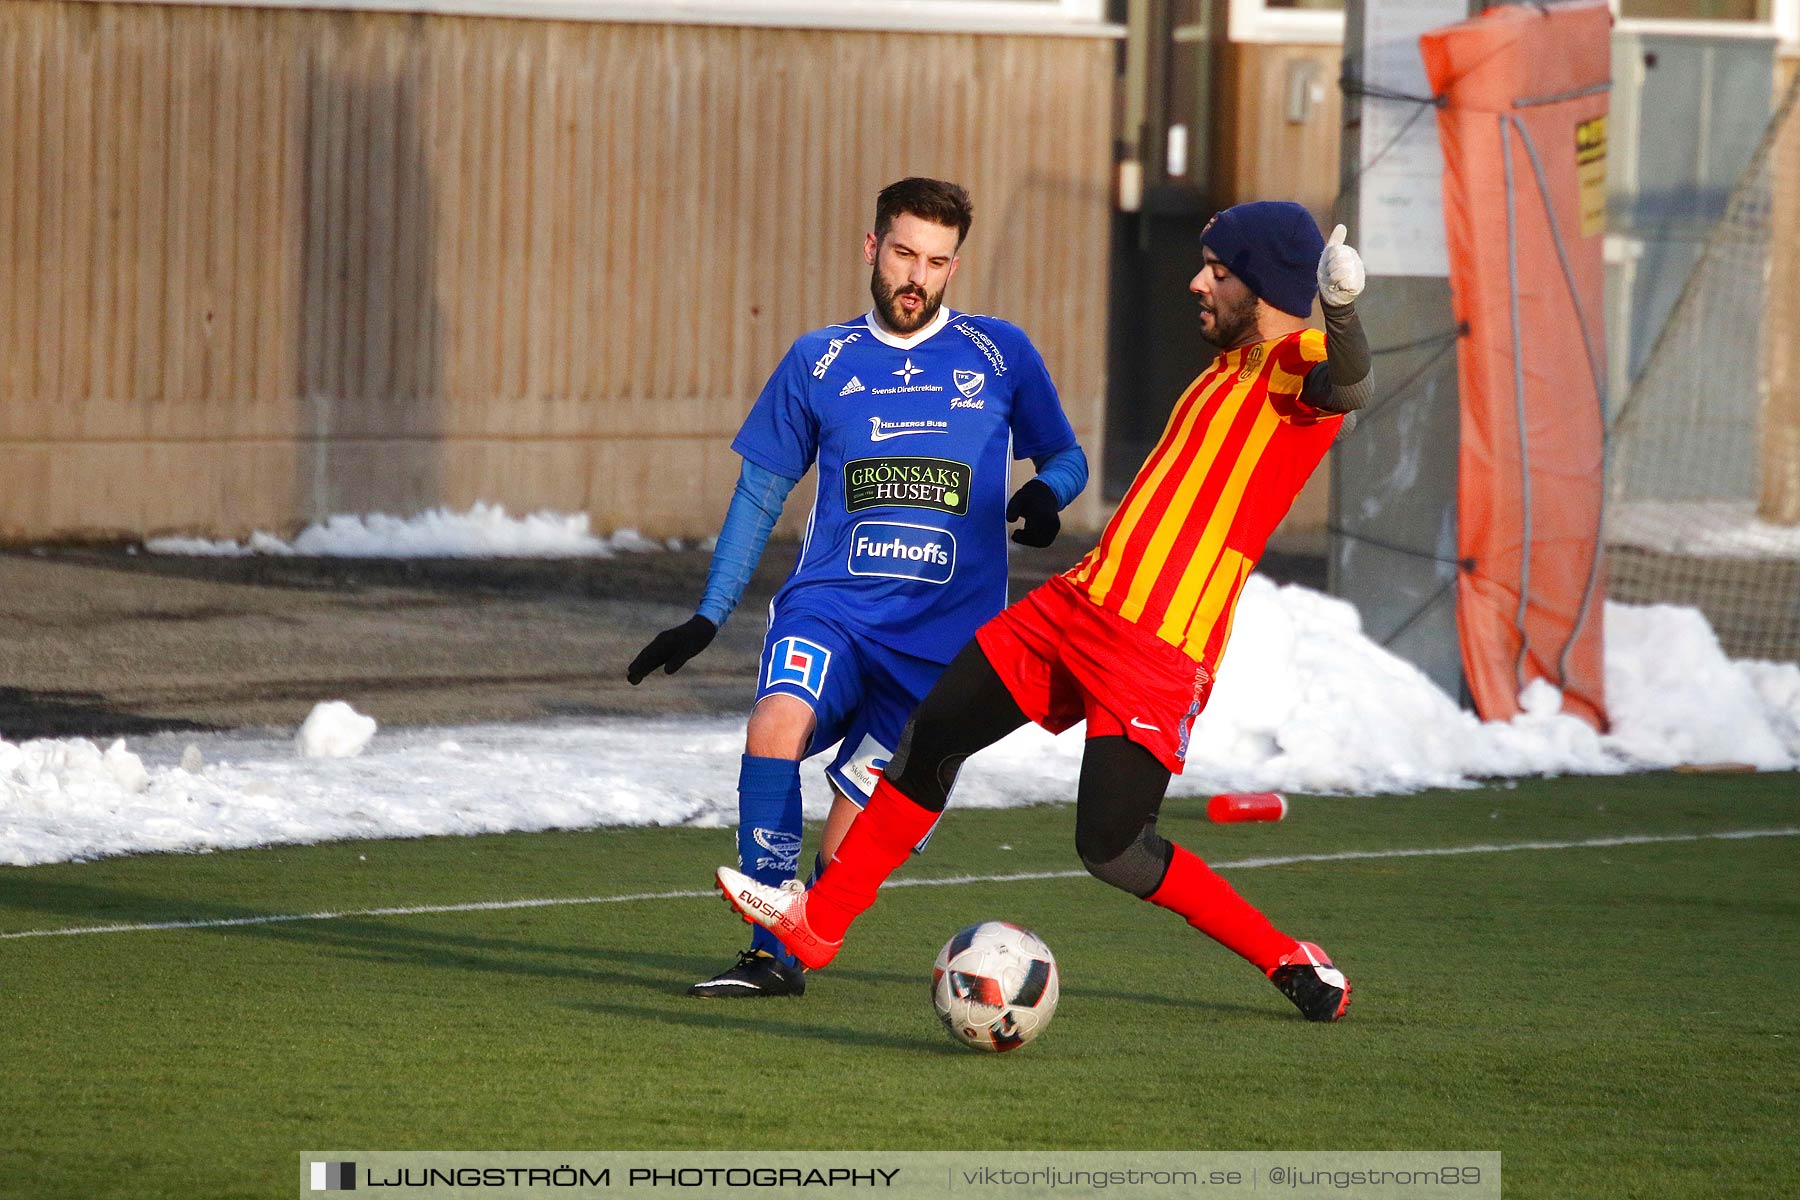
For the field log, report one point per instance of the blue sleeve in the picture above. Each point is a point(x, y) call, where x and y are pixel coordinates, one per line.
point(781, 434)
point(755, 506)
point(1039, 426)
point(1066, 472)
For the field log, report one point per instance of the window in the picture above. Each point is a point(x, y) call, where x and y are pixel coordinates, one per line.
point(1084, 17)
point(1321, 22)
point(1306, 22)
point(1749, 18)
point(1024, 15)
point(1696, 10)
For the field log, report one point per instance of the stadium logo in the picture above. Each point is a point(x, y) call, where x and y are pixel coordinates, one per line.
point(855, 385)
point(968, 383)
point(938, 484)
point(832, 350)
point(333, 1176)
point(893, 550)
point(881, 431)
point(799, 662)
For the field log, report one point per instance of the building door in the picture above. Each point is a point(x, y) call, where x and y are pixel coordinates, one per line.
point(1165, 198)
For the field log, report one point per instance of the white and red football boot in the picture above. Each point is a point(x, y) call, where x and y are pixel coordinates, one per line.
point(780, 910)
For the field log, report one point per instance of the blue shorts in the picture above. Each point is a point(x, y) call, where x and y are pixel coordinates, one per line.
point(861, 692)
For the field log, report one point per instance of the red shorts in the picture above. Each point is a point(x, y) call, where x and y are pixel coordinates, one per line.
point(1065, 659)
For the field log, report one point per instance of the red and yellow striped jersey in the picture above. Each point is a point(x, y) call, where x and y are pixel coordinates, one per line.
point(1239, 446)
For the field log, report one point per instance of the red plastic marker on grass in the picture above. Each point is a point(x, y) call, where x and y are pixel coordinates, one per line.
point(1247, 806)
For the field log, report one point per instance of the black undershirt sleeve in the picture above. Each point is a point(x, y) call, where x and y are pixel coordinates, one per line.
point(1345, 380)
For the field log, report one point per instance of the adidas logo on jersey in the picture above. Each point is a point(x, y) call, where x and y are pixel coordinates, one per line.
point(855, 385)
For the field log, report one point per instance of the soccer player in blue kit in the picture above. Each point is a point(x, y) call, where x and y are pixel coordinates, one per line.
point(912, 412)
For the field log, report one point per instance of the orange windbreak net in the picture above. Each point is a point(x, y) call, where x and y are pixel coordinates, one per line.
point(1522, 120)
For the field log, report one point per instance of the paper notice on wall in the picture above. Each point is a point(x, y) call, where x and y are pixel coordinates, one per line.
point(1400, 190)
point(1590, 173)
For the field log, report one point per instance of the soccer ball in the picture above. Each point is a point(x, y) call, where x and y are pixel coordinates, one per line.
point(994, 986)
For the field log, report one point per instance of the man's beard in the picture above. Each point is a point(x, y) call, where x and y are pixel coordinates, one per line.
point(1232, 326)
point(887, 303)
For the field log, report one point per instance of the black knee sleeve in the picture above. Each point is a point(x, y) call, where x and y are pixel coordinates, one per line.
point(1138, 868)
point(969, 708)
point(925, 763)
point(1122, 786)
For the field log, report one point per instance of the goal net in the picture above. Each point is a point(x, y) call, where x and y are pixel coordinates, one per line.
point(1703, 470)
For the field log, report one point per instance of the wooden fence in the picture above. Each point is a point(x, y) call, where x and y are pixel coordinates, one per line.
point(258, 266)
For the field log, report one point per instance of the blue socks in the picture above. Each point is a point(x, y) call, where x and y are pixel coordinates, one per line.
point(769, 832)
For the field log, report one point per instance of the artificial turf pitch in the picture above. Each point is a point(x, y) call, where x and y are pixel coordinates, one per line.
point(1616, 1020)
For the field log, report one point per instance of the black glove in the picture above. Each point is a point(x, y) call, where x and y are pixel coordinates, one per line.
point(671, 649)
point(1037, 504)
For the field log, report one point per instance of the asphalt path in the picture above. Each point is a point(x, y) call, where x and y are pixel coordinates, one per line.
point(98, 642)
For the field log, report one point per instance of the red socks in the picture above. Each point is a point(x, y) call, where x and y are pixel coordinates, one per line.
point(879, 840)
point(885, 832)
point(1213, 907)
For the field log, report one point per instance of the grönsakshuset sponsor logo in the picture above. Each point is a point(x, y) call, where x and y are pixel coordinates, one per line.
point(938, 484)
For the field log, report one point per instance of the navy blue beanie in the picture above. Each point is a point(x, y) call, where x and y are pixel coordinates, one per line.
point(1274, 247)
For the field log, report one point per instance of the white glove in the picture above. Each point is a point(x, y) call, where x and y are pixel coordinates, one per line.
point(1340, 271)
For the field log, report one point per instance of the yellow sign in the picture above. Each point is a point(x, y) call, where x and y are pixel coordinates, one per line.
point(1590, 174)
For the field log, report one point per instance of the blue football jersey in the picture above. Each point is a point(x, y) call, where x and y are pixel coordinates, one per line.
point(912, 436)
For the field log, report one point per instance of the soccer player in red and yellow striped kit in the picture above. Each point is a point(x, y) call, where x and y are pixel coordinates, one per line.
point(1130, 639)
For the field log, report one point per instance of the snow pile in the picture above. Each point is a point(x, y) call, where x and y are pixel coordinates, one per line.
point(65, 800)
point(485, 531)
point(334, 730)
point(1702, 528)
point(1742, 712)
point(1304, 703)
point(44, 773)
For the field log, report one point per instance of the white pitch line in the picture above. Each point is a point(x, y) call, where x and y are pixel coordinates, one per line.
point(1241, 864)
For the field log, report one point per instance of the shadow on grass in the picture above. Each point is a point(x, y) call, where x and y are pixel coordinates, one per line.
point(64, 714)
point(386, 941)
point(759, 1017)
point(1075, 992)
point(375, 940)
